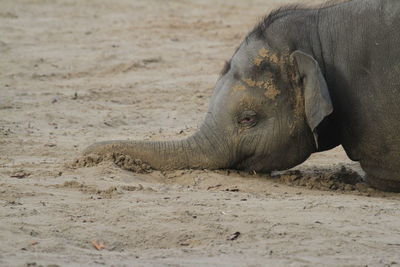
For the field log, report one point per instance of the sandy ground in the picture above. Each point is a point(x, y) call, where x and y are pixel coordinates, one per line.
point(75, 72)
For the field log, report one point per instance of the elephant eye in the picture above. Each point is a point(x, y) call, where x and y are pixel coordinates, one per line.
point(248, 119)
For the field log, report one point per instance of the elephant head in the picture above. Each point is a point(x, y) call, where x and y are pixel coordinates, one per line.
point(262, 116)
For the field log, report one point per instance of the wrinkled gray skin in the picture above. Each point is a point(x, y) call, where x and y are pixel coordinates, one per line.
point(304, 80)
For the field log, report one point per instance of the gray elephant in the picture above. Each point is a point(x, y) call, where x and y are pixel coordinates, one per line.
point(304, 80)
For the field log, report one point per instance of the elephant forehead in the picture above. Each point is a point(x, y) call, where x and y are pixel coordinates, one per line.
point(267, 87)
point(250, 102)
point(271, 92)
point(247, 52)
point(258, 67)
point(254, 53)
point(266, 55)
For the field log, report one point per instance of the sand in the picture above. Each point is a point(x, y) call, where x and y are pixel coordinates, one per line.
point(76, 72)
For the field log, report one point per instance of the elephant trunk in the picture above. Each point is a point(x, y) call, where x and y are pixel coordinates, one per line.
point(197, 151)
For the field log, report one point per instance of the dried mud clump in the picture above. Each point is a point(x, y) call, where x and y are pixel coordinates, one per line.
point(341, 180)
point(123, 161)
point(86, 161)
point(127, 163)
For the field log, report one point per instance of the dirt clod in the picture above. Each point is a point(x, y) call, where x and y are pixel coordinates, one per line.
point(86, 161)
point(19, 174)
point(127, 163)
point(234, 236)
point(343, 179)
point(132, 187)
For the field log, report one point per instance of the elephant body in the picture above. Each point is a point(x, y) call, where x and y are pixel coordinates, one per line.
point(304, 80)
point(361, 58)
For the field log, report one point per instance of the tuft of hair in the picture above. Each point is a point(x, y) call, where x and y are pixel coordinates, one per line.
point(259, 30)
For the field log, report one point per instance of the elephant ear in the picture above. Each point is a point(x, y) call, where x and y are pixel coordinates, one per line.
point(317, 101)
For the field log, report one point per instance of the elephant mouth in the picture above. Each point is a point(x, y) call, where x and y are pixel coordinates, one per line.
point(252, 163)
point(262, 164)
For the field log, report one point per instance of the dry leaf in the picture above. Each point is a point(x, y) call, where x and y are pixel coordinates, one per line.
point(98, 245)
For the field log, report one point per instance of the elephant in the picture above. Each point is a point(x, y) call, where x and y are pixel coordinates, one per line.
point(304, 80)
